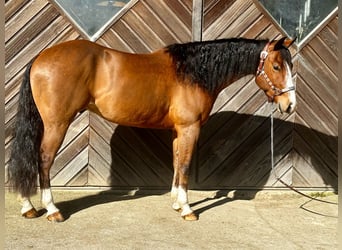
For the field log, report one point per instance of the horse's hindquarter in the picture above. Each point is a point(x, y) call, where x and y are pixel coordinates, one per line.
point(60, 77)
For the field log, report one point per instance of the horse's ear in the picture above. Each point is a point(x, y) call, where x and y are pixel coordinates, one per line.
point(279, 44)
point(288, 42)
point(284, 42)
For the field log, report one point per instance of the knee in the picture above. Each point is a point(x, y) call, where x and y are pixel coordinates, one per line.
point(184, 170)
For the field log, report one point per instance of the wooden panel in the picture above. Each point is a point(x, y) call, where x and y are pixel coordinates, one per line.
point(226, 143)
point(149, 26)
point(22, 17)
point(11, 7)
point(30, 27)
point(124, 157)
point(315, 131)
point(234, 146)
point(229, 156)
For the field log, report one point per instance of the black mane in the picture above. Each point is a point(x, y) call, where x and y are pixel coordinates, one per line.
point(214, 63)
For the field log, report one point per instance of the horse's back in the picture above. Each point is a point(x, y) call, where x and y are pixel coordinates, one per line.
point(140, 90)
point(122, 87)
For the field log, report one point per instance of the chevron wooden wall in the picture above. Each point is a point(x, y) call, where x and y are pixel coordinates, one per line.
point(233, 150)
point(31, 26)
point(315, 132)
point(130, 157)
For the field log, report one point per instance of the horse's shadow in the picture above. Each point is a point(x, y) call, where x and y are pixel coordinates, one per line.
point(70, 207)
point(143, 158)
point(233, 153)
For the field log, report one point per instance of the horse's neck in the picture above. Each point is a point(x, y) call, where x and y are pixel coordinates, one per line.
point(214, 65)
point(245, 64)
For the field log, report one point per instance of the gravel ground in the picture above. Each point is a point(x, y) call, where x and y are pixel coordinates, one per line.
point(107, 220)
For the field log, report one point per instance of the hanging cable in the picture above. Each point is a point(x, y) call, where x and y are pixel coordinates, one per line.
point(273, 165)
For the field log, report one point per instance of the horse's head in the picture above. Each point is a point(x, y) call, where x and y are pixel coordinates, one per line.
point(274, 74)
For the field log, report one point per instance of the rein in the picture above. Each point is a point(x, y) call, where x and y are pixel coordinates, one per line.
point(279, 178)
point(261, 71)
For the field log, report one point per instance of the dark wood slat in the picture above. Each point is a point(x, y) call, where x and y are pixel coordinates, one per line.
point(68, 173)
point(322, 49)
point(330, 37)
point(317, 76)
point(11, 7)
point(37, 44)
point(65, 157)
point(318, 172)
point(22, 17)
point(213, 9)
point(113, 40)
point(242, 23)
point(129, 36)
point(160, 28)
point(171, 21)
point(34, 27)
point(116, 154)
point(143, 160)
point(323, 146)
point(315, 84)
point(333, 25)
point(80, 179)
point(224, 21)
point(181, 11)
point(283, 170)
point(146, 35)
point(232, 168)
point(314, 109)
point(256, 28)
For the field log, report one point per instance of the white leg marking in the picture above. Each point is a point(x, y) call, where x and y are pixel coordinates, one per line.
point(183, 202)
point(47, 201)
point(176, 206)
point(26, 204)
point(174, 192)
point(174, 195)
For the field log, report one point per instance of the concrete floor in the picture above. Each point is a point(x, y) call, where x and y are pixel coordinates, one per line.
point(107, 220)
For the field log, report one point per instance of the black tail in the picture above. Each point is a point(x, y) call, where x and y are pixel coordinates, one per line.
point(25, 156)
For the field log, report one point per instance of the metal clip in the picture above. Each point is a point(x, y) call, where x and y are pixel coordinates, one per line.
point(263, 54)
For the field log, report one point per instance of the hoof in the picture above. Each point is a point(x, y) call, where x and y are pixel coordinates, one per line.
point(190, 217)
point(179, 210)
point(32, 213)
point(55, 217)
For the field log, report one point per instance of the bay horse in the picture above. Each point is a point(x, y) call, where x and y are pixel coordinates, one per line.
point(171, 88)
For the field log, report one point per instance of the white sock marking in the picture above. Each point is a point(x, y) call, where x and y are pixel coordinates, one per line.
point(174, 192)
point(26, 204)
point(183, 201)
point(47, 201)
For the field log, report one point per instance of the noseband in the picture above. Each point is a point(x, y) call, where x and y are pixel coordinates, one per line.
point(261, 71)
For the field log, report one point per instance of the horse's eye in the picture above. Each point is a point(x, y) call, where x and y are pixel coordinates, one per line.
point(276, 67)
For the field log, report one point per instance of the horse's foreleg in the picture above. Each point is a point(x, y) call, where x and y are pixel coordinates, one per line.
point(183, 149)
point(52, 139)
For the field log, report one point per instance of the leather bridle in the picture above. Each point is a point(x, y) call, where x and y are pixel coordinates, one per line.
point(261, 71)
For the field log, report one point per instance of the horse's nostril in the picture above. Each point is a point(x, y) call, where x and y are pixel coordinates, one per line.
point(290, 108)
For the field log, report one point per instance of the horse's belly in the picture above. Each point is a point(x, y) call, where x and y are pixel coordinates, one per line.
point(135, 115)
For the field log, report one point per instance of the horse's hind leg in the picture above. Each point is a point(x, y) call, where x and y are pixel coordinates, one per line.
point(27, 210)
point(52, 140)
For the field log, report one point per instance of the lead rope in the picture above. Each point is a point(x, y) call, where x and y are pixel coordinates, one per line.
point(274, 171)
